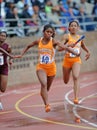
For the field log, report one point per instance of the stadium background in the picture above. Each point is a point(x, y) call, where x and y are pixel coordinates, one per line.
point(23, 108)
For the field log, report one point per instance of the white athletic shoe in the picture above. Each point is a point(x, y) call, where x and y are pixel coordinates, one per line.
point(1, 106)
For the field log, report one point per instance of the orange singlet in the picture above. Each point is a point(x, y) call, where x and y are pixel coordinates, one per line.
point(69, 58)
point(47, 58)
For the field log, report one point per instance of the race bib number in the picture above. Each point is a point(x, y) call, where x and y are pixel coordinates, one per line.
point(1, 60)
point(76, 50)
point(44, 59)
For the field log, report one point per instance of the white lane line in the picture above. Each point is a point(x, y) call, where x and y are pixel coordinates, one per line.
point(7, 93)
point(81, 106)
point(77, 115)
point(70, 102)
point(26, 91)
point(68, 93)
point(82, 119)
point(89, 108)
point(21, 91)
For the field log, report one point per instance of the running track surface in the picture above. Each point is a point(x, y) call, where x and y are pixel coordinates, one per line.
point(24, 109)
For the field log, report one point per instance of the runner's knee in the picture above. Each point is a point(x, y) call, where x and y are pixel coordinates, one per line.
point(2, 89)
point(75, 77)
point(65, 81)
point(43, 85)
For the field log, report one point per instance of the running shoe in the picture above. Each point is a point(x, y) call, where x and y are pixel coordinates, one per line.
point(1, 106)
point(47, 108)
point(77, 120)
point(76, 101)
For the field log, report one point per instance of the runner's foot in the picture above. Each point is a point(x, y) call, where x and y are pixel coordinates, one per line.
point(47, 108)
point(76, 101)
point(77, 120)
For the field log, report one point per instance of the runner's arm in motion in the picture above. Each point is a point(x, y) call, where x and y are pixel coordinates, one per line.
point(64, 41)
point(87, 56)
point(7, 53)
point(27, 48)
point(66, 48)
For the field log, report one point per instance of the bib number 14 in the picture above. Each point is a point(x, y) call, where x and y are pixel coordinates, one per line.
point(45, 59)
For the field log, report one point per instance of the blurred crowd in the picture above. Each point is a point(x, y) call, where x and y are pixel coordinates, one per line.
point(36, 13)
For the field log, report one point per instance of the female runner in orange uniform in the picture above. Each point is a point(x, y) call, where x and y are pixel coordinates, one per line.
point(46, 67)
point(72, 62)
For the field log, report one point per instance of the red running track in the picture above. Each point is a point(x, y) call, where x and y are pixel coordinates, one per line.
point(24, 109)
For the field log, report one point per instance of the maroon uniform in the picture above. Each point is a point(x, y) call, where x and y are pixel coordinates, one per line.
point(3, 60)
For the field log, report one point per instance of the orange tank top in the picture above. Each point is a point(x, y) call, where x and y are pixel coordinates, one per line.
point(46, 52)
point(76, 48)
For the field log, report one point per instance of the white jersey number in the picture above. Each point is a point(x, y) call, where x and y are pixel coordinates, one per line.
point(76, 50)
point(45, 59)
point(1, 60)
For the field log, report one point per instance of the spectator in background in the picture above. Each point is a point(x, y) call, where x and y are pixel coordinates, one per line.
point(2, 9)
point(20, 6)
point(36, 15)
point(30, 9)
point(34, 2)
point(86, 6)
point(91, 1)
point(0, 4)
point(39, 10)
point(41, 4)
point(29, 22)
point(0, 1)
point(16, 23)
point(75, 6)
point(94, 11)
point(52, 12)
point(2, 14)
point(84, 18)
point(43, 17)
point(59, 1)
point(67, 13)
point(81, 17)
point(15, 1)
point(8, 7)
point(1, 22)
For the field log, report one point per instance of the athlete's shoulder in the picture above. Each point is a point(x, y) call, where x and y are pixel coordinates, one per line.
point(5, 45)
point(66, 36)
point(40, 39)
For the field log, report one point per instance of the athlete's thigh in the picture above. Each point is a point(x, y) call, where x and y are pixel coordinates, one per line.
point(42, 76)
point(66, 74)
point(76, 69)
point(3, 82)
point(49, 81)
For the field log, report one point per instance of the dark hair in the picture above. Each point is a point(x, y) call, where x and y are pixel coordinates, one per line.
point(49, 26)
point(3, 32)
point(76, 21)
